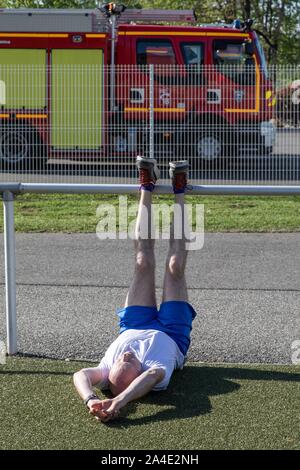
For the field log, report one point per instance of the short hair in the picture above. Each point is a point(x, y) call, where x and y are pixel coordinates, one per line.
point(121, 377)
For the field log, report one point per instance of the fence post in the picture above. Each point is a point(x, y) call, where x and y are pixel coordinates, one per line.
point(151, 110)
point(10, 271)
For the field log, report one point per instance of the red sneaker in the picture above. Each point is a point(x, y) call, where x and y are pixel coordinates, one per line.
point(148, 172)
point(178, 172)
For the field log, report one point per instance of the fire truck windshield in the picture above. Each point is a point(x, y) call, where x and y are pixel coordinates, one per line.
point(232, 60)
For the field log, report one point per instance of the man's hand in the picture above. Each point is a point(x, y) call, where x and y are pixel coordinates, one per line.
point(104, 410)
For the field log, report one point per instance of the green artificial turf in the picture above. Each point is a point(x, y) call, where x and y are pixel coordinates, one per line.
point(77, 213)
point(207, 406)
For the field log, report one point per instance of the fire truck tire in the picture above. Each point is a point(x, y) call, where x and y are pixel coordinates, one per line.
point(14, 147)
point(19, 148)
point(209, 148)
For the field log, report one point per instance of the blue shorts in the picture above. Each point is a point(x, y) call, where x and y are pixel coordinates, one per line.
point(173, 318)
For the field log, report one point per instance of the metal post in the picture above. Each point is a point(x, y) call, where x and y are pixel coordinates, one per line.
point(112, 64)
point(10, 271)
point(151, 110)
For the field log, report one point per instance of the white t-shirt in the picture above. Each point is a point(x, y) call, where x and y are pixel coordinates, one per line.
point(152, 348)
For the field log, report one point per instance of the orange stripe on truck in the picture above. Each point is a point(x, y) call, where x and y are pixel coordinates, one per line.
point(31, 116)
point(157, 110)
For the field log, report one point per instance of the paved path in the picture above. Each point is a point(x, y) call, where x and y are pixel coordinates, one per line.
point(245, 287)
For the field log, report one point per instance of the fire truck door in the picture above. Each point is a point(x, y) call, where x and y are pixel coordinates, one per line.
point(76, 99)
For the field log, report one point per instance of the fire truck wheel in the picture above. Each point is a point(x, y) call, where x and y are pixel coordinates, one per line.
point(209, 147)
point(14, 147)
point(18, 148)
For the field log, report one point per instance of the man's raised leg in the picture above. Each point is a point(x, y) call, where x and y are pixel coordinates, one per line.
point(175, 287)
point(142, 289)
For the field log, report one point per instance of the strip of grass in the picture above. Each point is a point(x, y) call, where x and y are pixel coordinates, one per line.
point(77, 213)
point(205, 407)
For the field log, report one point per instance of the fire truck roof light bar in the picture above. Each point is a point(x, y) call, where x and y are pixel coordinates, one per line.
point(237, 24)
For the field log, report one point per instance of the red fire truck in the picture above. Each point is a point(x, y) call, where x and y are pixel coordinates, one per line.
point(94, 85)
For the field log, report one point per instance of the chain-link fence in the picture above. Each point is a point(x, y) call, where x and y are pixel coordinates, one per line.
point(66, 123)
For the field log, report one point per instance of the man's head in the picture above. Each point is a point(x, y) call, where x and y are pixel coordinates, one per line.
point(126, 368)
